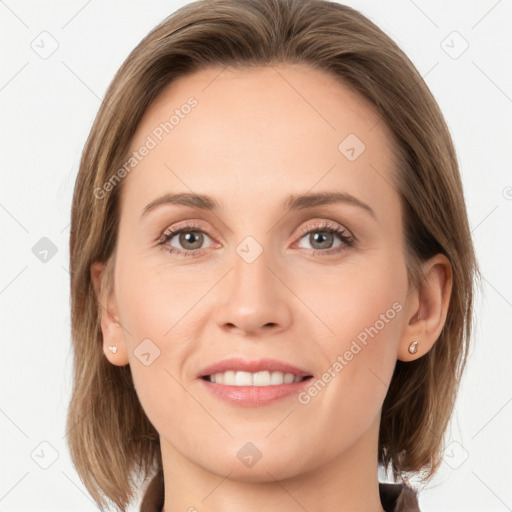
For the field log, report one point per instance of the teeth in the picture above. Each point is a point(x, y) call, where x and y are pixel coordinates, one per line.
point(242, 379)
point(231, 378)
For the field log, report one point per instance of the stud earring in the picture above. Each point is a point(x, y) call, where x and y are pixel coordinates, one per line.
point(413, 347)
point(113, 349)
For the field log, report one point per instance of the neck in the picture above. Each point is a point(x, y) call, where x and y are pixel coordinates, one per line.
point(346, 482)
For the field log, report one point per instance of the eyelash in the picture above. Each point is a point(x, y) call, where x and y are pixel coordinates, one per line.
point(326, 227)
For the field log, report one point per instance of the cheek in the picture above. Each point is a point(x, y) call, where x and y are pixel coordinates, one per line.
point(365, 316)
point(150, 314)
point(162, 325)
point(360, 302)
point(158, 302)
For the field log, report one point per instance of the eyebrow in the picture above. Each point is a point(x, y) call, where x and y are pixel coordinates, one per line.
point(293, 202)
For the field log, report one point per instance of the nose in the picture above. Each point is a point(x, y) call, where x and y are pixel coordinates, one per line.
point(254, 301)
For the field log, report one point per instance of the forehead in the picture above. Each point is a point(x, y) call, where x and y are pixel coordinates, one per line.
point(273, 131)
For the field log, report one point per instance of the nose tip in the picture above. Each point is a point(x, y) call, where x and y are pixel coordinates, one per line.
point(253, 300)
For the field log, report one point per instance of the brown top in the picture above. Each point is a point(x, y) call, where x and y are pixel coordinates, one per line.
point(394, 497)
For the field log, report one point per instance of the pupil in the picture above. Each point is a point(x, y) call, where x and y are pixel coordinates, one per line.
point(189, 238)
point(322, 236)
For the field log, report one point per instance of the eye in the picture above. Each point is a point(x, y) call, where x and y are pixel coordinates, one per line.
point(190, 237)
point(322, 238)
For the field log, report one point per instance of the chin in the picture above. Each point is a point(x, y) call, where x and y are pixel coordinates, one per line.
point(250, 464)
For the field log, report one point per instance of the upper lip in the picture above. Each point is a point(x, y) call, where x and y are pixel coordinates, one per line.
point(259, 365)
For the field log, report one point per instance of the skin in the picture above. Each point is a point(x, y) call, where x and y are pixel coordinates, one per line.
point(256, 136)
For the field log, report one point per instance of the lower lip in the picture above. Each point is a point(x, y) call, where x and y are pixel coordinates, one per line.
point(254, 396)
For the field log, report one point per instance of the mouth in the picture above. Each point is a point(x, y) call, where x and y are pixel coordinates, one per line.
point(263, 378)
point(261, 372)
point(253, 383)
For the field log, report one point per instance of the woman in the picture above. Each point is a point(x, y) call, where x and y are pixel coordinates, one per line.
point(272, 270)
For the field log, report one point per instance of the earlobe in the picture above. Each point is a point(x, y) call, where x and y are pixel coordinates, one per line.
point(113, 340)
point(427, 309)
point(116, 354)
point(413, 347)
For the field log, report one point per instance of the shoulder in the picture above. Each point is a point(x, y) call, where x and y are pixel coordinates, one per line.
point(397, 497)
point(153, 499)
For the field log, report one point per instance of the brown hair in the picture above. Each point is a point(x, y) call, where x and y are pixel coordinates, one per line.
point(109, 436)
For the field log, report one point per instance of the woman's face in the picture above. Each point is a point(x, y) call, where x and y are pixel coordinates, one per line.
point(260, 276)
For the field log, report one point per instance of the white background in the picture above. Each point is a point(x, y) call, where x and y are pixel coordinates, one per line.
point(47, 108)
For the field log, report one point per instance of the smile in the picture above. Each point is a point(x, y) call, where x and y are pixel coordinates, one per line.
point(253, 383)
point(264, 378)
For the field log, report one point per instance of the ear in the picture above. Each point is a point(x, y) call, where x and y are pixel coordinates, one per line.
point(111, 328)
point(427, 307)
